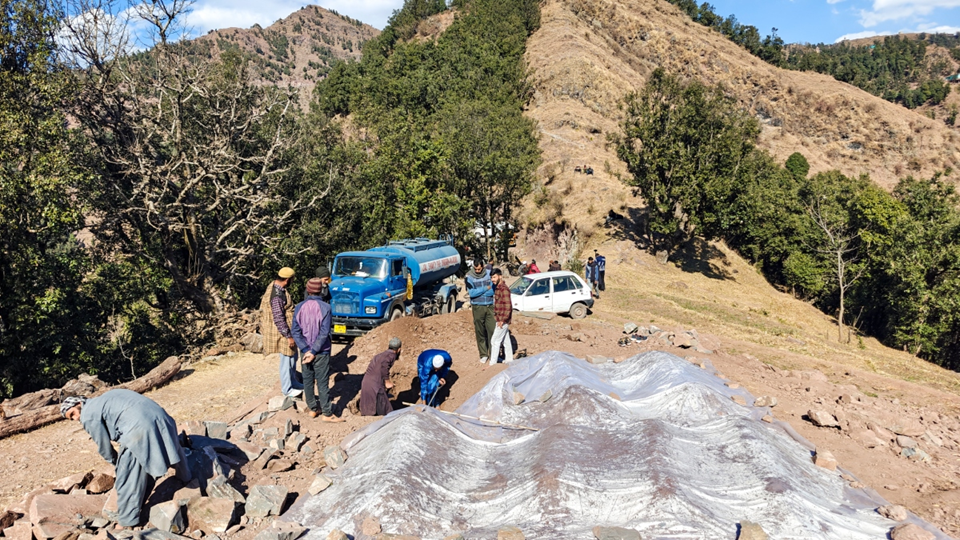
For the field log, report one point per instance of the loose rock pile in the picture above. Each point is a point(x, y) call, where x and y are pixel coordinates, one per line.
point(221, 456)
point(688, 339)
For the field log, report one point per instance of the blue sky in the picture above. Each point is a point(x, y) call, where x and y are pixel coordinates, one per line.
point(812, 21)
point(826, 21)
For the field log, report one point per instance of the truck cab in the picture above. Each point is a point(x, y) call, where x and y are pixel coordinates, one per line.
point(369, 288)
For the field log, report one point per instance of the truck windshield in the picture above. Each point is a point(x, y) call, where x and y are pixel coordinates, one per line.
point(361, 267)
point(520, 286)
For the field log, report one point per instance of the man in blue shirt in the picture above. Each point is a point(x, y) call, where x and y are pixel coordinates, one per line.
point(432, 367)
point(480, 289)
point(601, 270)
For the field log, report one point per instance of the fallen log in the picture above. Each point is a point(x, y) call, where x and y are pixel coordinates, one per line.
point(47, 415)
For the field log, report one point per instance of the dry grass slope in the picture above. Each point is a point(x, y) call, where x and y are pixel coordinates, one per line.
point(588, 54)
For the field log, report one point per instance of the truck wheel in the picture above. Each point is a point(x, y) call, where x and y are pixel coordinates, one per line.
point(395, 314)
point(578, 311)
point(451, 304)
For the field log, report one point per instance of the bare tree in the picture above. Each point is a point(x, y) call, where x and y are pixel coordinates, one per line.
point(842, 247)
point(195, 159)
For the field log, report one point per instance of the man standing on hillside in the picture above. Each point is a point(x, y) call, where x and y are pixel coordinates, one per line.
point(480, 290)
point(590, 271)
point(601, 271)
point(503, 314)
point(148, 441)
point(276, 316)
point(534, 269)
point(311, 332)
point(432, 368)
point(374, 400)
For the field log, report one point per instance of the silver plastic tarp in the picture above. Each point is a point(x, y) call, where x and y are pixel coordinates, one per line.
point(654, 443)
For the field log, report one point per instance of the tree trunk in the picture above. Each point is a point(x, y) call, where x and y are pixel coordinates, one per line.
point(47, 415)
point(840, 318)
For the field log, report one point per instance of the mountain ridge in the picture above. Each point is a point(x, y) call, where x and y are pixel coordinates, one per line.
point(296, 51)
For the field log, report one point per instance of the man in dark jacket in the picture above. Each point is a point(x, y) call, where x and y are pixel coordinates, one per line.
point(480, 290)
point(601, 271)
point(148, 442)
point(322, 273)
point(374, 400)
point(311, 332)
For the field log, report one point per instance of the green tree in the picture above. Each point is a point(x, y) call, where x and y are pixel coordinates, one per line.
point(494, 151)
point(46, 329)
point(797, 165)
point(828, 199)
point(915, 268)
point(685, 146)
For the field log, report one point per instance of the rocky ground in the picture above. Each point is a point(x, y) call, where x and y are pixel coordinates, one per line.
point(899, 438)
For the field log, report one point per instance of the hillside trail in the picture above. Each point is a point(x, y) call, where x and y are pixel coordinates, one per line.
point(762, 340)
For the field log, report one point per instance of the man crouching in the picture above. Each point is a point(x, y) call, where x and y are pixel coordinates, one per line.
point(148, 444)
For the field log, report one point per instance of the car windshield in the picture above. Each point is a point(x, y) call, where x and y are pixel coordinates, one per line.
point(361, 267)
point(520, 285)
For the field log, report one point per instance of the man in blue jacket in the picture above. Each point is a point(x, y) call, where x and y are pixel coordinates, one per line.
point(480, 290)
point(311, 332)
point(432, 367)
point(601, 271)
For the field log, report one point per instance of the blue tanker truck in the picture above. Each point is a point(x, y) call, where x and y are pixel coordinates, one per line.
point(406, 277)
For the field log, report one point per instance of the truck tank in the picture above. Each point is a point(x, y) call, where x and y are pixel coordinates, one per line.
point(429, 261)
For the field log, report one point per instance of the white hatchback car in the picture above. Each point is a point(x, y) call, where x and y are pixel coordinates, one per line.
point(553, 292)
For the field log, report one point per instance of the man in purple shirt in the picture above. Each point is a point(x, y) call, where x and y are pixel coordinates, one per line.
point(311, 332)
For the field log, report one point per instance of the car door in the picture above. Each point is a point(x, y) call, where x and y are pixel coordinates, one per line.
point(565, 293)
point(537, 297)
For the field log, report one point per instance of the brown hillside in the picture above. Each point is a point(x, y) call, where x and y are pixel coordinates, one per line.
point(297, 51)
point(588, 54)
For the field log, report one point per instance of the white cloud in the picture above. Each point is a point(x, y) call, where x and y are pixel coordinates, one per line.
point(834, 1)
point(930, 28)
point(893, 10)
point(215, 14)
point(860, 35)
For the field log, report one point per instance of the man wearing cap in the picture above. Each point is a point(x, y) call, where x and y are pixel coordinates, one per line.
point(311, 332)
point(374, 400)
point(276, 316)
point(432, 368)
point(148, 444)
point(323, 273)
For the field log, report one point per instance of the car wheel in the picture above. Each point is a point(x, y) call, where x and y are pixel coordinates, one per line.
point(396, 314)
point(578, 311)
